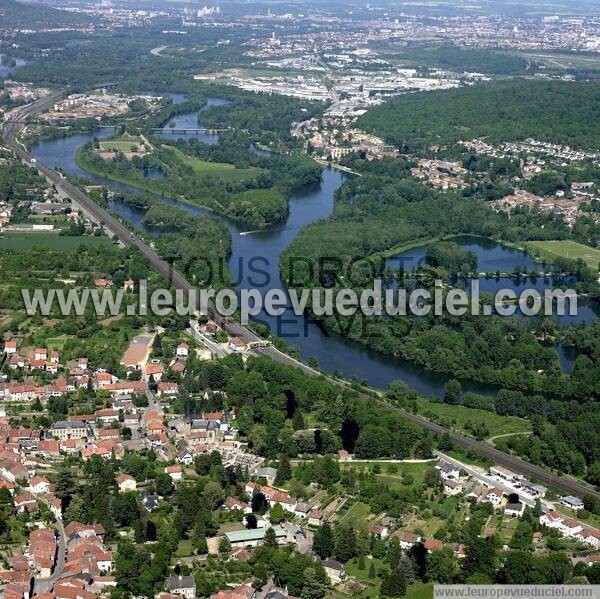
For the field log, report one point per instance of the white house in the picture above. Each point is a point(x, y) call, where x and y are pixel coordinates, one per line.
point(571, 502)
point(514, 509)
point(493, 496)
point(175, 472)
point(334, 570)
point(183, 350)
point(126, 483)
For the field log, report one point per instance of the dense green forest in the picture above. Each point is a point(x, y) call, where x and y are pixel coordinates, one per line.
point(555, 111)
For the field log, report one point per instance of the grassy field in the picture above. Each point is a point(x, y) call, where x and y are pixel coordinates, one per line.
point(564, 249)
point(357, 513)
point(224, 171)
point(397, 476)
point(362, 576)
point(56, 343)
point(459, 417)
point(420, 590)
point(128, 144)
point(43, 240)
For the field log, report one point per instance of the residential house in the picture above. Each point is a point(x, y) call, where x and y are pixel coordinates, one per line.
point(126, 483)
point(184, 586)
point(334, 570)
point(514, 509)
point(175, 472)
point(493, 496)
point(183, 350)
point(407, 539)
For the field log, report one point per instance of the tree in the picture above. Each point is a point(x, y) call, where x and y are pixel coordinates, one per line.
point(345, 543)
point(284, 470)
point(124, 508)
point(323, 543)
point(372, 570)
point(298, 421)
point(481, 558)
point(270, 538)
point(251, 522)
point(361, 562)
point(537, 508)
point(313, 587)
point(452, 392)
point(407, 568)
point(445, 443)
point(277, 514)
point(441, 566)
point(224, 545)
point(394, 553)
point(259, 503)
point(393, 585)
point(164, 484)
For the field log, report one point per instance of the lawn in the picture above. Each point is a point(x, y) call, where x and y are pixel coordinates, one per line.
point(393, 474)
point(129, 144)
point(564, 249)
point(184, 549)
point(362, 576)
point(56, 343)
point(459, 417)
point(227, 172)
point(359, 512)
point(420, 590)
point(13, 240)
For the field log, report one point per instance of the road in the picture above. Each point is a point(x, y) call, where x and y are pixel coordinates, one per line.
point(45, 585)
point(213, 347)
point(10, 133)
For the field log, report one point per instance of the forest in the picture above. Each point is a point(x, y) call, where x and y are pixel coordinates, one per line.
point(504, 111)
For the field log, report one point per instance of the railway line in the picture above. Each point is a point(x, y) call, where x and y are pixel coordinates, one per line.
point(11, 130)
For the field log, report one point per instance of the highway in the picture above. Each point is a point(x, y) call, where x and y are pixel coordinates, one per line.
point(11, 130)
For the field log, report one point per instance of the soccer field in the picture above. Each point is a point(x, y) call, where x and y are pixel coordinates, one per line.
point(565, 249)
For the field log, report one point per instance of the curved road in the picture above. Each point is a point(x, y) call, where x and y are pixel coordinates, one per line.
point(11, 130)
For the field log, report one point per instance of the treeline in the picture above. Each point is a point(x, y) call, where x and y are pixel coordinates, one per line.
point(449, 256)
point(266, 118)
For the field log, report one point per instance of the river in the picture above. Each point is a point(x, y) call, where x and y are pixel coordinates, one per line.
point(262, 250)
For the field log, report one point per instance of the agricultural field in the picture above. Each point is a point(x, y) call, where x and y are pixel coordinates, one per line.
point(226, 172)
point(53, 241)
point(564, 249)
